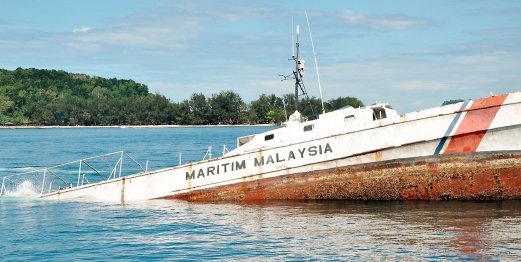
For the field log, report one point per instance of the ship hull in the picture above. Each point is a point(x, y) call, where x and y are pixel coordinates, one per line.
point(476, 176)
point(471, 150)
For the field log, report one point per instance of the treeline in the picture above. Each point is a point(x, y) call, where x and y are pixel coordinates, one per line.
point(452, 101)
point(53, 97)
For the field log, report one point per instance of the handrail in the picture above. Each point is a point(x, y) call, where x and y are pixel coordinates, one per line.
point(68, 163)
point(131, 158)
point(95, 165)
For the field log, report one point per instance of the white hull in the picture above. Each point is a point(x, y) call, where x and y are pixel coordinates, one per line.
point(455, 129)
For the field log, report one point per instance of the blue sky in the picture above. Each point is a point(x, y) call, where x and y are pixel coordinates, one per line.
point(412, 54)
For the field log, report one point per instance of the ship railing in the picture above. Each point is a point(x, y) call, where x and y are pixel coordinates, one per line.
point(208, 154)
point(72, 174)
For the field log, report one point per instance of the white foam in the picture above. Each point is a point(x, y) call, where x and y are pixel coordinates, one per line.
point(25, 188)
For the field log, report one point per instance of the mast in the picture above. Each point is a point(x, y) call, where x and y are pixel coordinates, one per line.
point(296, 73)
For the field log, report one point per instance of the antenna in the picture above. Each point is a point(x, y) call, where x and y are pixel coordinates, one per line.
point(292, 39)
point(316, 65)
point(298, 74)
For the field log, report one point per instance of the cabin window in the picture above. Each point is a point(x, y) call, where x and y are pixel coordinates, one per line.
point(379, 113)
point(269, 137)
point(349, 118)
point(243, 140)
point(308, 128)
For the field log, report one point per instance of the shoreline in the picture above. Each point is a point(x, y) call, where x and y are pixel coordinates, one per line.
point(129, 126)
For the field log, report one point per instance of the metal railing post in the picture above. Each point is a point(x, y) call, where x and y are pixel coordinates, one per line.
point(180, 161)
point(225, 150)
point(121, 163)
point(79, 174)
point(146, 167)
point(43, 181)
point(210, 152)
point(3, 186)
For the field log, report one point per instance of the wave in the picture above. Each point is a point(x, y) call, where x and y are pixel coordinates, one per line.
point(24, 189)
point(17, 169)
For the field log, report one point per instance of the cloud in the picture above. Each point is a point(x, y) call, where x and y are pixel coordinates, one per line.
point(420, 85)
point(83, 29)
point(475, 58)
point(401, 81)
point(382, 22)
point(143, 35)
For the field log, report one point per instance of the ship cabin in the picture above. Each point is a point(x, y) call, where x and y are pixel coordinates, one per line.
point(341, 121)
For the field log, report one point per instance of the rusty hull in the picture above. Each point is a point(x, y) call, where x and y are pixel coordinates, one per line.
point(478, 176)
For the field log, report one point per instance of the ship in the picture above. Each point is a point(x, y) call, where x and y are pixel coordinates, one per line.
point(469, 150)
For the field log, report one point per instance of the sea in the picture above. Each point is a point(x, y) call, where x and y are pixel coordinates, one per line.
point(172, 230)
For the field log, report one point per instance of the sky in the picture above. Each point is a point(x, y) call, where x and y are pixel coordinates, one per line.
point(413, 54)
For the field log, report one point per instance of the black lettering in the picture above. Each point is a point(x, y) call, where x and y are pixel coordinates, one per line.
point(320, 149)
point(210, 170)
point(328, 149)
point(312, 151)
point(224, 166)
point(259, 163)
point(217, 169)
point(302, 152)
point(291, 155)
point(270, 159)
point(279, 160)
point(240, 165)
point(190, 176)
point(201, 173)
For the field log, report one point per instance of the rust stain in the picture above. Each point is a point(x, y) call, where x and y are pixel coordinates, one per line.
point(261, 158)
point(189, 181)
point(378, 156)
point(464, 177)
point(122, 197)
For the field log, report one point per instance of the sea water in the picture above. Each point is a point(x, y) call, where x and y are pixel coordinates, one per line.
point(170, 230)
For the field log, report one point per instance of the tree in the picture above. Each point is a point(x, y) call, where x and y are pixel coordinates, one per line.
point(55, 97)
point(267, 109)
point(226, 107)
point(341, 102)
point(5, 105)
point(453, 101)
point(200, 109)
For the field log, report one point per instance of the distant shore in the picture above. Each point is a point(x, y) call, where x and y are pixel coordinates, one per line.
point(127, 126)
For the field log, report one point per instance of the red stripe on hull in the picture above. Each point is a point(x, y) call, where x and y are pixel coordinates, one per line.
point(474, 126)
point(464, 177)
point(488, 102)
point(466, 143)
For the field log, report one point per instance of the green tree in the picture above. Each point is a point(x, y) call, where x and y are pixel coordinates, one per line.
point(267, 109)
point(55, 97)
point(200, 109)
point(341, 102)
point(227, 107)
point(453, 101)
point(5, 105)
